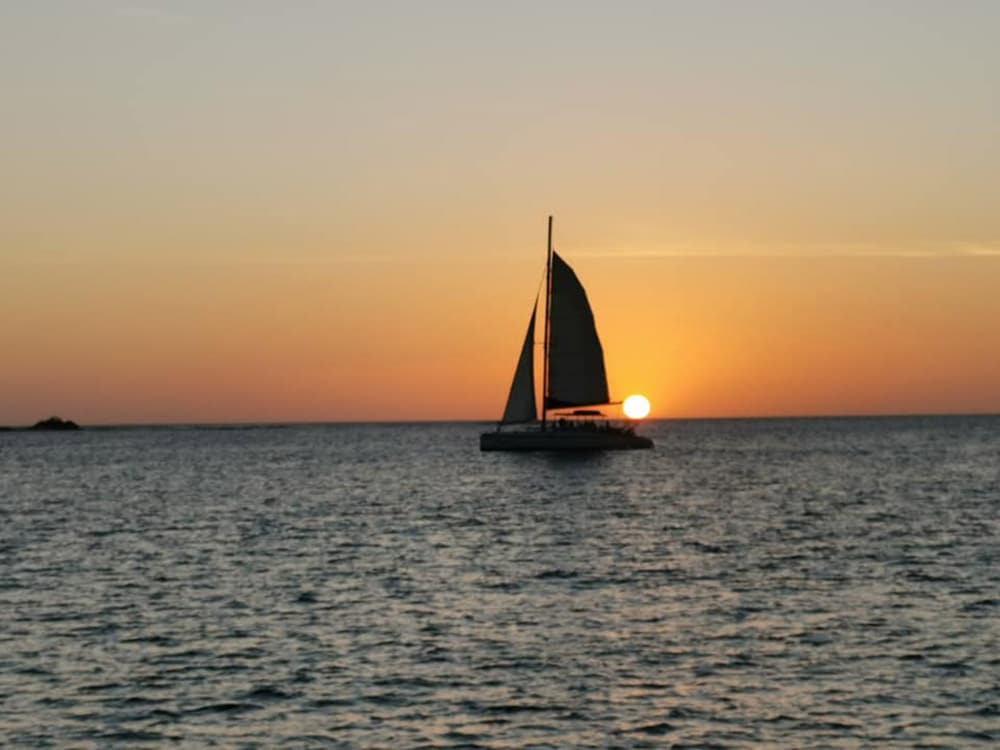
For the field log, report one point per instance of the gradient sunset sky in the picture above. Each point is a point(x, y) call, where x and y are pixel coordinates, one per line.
point(284, 211)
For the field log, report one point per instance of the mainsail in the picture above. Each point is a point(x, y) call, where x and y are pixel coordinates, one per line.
point(521, 401)
point(576, 359)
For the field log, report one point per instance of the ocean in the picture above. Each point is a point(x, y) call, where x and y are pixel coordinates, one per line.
point(806, 583)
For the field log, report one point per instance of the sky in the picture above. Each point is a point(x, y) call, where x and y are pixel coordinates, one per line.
point(244, 211)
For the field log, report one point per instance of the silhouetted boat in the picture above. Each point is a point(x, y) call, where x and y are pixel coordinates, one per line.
point(573, 381)
point(55, 423)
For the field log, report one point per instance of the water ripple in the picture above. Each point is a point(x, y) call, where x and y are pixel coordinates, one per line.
point(782, 583)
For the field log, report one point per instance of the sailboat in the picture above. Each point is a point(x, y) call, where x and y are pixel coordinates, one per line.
point(574, 381)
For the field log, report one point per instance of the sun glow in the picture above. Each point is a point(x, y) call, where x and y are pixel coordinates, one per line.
point(636, 407)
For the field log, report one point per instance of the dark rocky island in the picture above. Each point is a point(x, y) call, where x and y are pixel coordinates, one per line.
point(55, 423)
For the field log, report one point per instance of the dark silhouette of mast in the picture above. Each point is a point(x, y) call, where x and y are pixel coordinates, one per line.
point(548, 307)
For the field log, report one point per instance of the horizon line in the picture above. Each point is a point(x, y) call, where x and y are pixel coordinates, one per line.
point(348, 422)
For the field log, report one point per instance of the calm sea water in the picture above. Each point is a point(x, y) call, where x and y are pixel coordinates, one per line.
point(799, 583)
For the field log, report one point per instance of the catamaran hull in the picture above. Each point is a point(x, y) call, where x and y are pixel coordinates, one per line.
point(563, 440)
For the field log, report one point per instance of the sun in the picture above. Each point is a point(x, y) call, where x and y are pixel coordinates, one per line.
point(636, 407)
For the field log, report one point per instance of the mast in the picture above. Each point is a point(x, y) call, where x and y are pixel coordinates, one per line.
point(548, 307)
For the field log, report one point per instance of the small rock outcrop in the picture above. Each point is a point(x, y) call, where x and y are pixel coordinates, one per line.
point(55, 423)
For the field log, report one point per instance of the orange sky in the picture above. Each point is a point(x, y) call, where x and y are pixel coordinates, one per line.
point(406, 340)
point(246, 212)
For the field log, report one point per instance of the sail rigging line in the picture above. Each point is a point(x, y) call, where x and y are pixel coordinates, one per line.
point(548, 308)
point(521, 403)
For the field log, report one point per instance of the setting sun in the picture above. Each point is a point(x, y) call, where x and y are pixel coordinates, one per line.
point(636, 407)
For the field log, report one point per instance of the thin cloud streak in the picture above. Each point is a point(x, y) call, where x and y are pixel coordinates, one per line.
point(801, 251)
point(160, 262)
point(981, 250)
